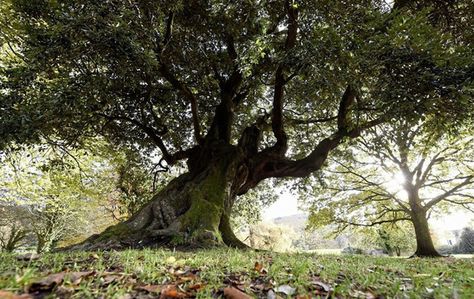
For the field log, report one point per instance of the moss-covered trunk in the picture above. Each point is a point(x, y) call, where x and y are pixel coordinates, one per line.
point(194, 209)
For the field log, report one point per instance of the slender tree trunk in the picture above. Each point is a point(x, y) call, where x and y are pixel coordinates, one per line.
point(41, 243)
point(15, 236)
point(398, 251)
point(252, 237)
point(424, 242)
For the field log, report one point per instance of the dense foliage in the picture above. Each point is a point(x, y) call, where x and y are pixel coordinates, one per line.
point(148, 74)
point(50, 195)
point(243, 92)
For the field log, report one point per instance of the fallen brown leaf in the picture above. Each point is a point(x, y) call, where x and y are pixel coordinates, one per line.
point(131, 280)
point(110, 278)
point(64, 292)
point(320, 286)
point(76, 277)
point(47, 283)
point(171, 292)
point(196, 287)
point(8, 295)
point(258, 267)
point(233, 293)
point(150, 288)
point(235, 279)
point(185, 278)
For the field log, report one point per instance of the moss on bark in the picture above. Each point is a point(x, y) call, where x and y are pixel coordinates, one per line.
point(194, 209)
point(201, 222)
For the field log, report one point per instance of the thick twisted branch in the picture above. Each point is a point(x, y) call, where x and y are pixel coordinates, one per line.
point(280, 81)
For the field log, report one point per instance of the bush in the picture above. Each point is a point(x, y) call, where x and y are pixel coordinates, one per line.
point(352, 250)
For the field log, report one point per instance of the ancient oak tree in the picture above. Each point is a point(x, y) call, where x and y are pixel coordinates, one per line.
point(239, 91)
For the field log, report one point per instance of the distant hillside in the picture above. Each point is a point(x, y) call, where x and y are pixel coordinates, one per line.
point(297, 221)
point(310, 240)
point(320, 238)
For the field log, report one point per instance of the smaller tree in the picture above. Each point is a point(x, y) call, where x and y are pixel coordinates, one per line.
point(53, 222)
point(13, 232)
point(62, 194)
point(398, 173)
point(47, 192)
point(11, 237)
point(393, 239)
point(466, 241)
point(125, 180)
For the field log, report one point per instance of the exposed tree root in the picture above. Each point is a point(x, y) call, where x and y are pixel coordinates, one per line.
point(192, 211)
point(228, 235)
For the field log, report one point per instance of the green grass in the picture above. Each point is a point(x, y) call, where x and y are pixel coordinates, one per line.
point(120, 273)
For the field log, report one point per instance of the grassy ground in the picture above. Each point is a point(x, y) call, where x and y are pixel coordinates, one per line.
point(232, 274)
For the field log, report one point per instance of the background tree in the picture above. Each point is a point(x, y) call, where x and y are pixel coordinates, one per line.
point(466, 241)
point(393, 239)
point(242, 92)
point(11, 237)
point(45, 191)
point(53, 222)
point(126, 180)
point(398, 173)
point(12, 233)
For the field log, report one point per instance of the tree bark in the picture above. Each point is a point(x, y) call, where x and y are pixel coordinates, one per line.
point(417, 212)
point(193, 210)
point(424, 242)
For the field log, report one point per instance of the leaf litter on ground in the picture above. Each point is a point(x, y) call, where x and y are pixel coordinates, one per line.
point(161, 274)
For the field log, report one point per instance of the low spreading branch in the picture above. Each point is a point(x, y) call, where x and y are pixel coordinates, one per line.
point(154, 135)
point(469, 180)
point(375, 223)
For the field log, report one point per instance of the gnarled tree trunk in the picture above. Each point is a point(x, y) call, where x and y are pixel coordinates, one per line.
point(194, 209)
